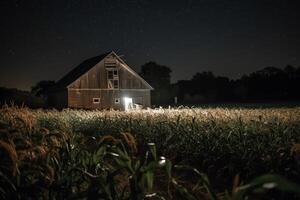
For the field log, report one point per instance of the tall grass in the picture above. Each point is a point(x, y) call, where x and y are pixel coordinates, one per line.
point(223, 143)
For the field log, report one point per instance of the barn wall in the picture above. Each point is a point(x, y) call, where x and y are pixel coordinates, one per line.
point(96, 78)
point(139, 96)
point(93, 84)
point(129, 80)
point(84, 98)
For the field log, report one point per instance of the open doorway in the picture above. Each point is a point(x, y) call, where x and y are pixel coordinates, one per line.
point(128, 105)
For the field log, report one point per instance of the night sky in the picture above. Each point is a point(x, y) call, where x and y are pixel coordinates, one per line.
point(44, 39)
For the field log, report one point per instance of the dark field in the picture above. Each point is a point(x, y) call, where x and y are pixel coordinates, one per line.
point(197, 153)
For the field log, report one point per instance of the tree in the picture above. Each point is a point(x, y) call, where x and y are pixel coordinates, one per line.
point(159, 77)
point(269, 83)
point(41, 89)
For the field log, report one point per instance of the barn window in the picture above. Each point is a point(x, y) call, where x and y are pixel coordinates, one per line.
point(117, 100)
point(112, 78)
point(96, 100)
point(116, 84)
point(110, 74)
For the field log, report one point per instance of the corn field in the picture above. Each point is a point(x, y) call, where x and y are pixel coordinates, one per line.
point(182, 153)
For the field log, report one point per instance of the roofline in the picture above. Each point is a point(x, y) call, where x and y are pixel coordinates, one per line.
point(124, 65)
point(108, 53)
point(131, 70)
point(68, 83)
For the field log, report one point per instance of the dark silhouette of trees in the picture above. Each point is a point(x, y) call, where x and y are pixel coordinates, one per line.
point(156, 75)
point(36, 98)
point(159, 77)
point(272, 83)
point(12, 96)
point(268, 84)
point(41, 89)
point(204, 87)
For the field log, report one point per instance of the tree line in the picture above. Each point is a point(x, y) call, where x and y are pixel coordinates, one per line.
point(269, 84)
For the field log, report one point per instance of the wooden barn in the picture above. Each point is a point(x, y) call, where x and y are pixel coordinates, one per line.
point(101, 82)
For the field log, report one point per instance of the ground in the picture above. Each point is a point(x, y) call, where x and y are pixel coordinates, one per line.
point(225, 144)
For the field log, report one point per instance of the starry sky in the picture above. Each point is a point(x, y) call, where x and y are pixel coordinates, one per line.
point(44, 39)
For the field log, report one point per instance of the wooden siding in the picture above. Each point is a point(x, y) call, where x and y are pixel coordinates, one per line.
point(84, 98)
point(93, 84)
point(96, 78)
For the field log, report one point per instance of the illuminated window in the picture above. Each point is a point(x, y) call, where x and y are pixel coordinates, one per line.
point(96, 100)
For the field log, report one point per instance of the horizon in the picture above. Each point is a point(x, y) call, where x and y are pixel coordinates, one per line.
point(27, 89)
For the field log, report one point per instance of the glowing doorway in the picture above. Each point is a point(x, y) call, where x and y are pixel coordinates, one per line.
point(128, 103)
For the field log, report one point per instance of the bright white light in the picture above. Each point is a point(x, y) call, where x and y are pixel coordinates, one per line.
point(127, 103)
point(269, 185)
point(162, 161)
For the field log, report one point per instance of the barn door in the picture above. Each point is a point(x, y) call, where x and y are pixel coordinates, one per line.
point(128, 105)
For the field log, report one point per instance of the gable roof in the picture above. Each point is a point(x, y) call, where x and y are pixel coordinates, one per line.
point(80, 70)
point(132, 71)
point(89, 64)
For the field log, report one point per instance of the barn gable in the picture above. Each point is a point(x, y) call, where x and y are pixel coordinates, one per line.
point(136, 75)
point(79, 70)
point(102, 82)
point(92, 74)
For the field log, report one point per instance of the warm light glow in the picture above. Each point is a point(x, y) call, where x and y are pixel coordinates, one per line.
point(127, 103)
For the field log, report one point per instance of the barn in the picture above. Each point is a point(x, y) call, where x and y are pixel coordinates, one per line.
point(101, 82)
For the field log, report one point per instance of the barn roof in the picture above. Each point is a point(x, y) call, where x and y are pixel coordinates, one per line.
point(86, 66)
point(79, 70)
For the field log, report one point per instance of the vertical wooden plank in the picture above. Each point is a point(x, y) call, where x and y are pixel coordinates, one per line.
point(96, 80)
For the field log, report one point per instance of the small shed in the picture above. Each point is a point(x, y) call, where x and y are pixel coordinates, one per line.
point(102, 82)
